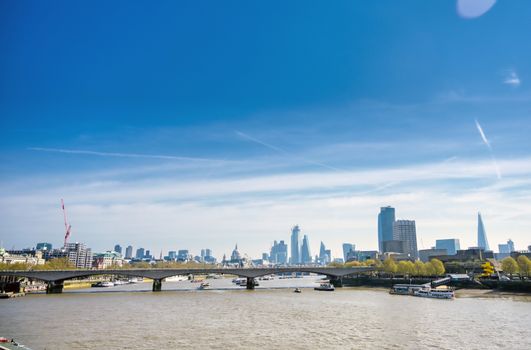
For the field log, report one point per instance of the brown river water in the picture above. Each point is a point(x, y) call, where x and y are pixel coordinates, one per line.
point(270, 317)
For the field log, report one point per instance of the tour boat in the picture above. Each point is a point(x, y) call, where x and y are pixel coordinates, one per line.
point(203, 286)
point(326, 287)
point(177, 278)
point(103, 284)
point(429, 292)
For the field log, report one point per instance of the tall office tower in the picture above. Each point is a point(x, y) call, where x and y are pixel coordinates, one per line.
point(129, 252)
point(347, 247)
point(148, 254)
point(510, 244)
point(506, 248)
point(386, 218)
point(208, 252)
point(482, 235)
point(405, 230)
point(279, 253)
point(140, 253)
point(118, 248)
point(306, 256)
point(79, 255)
point(295, 246)
point(451, 245)
point(324, 257)
point(203, 254)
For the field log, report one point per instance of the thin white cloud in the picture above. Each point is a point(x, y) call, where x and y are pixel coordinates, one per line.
point(284, 152)
point(512, 79)
point(487, 143)
point(483, 136)
point(122, 155)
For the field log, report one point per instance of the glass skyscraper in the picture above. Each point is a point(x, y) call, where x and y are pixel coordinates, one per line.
point(451, 245)
point(295, 246)
point(482, 235)
point(347, 247)
point(386, 218)
point(306, 256)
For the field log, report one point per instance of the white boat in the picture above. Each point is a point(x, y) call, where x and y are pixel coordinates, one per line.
point(436, 293)
point(136, 280)
point(325, 287)
point(103, 284)
point(177, 278)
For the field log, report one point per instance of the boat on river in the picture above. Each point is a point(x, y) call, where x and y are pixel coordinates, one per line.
point(297, 290)
point(423, 290)
point(6, 344)
point(203, 286)
point(325, 287)
point(103, 284)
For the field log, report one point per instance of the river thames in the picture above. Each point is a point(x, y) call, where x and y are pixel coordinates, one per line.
point(272, 317)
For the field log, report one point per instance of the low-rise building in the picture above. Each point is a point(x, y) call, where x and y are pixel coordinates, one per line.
point(26, 258)
point(426, 255)
point(107, 260)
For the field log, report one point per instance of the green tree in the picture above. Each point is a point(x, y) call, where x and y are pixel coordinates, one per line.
point(524, 265)
point(389, 266)
point(403, 268)
point(510, 266)
point(438, 267)
point(56, 264)
point(419, 268)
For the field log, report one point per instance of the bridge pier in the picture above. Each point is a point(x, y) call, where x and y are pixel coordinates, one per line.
point(251, 283)
point(336, 281)
point(54, 287)
point(157, 285)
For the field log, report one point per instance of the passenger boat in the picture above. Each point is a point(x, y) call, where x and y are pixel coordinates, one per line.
point(297, 290)
point(325, 287)
point(177, 278)
point(422, 290)
point(203, 286)
point(103, 284)
point(436, 293)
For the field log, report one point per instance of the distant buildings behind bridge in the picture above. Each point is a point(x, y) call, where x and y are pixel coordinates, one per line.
point(397, 239)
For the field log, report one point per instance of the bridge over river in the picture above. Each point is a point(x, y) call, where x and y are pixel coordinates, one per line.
point(55, 278)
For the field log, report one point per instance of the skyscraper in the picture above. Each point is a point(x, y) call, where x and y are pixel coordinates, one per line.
point(129, 252)
point(405, 230)
point(140, 253)
point(324, 255)
point(482, 235)
point(451, 245)
point(386, 218)
point(279, 253)
point(118, 248)
point(295, 246)
point(306, 256)
point(347, 247)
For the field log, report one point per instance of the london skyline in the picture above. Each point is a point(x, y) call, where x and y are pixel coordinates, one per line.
point(296, 120)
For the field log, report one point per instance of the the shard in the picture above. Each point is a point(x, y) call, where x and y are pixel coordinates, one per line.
point(482, 235)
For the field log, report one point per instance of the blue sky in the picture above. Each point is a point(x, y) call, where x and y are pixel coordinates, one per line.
point(202, 124)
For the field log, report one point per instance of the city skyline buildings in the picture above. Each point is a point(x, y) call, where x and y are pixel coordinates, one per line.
point(172, 157)
point(386, 219)
point(482, 235)
point(295, 257)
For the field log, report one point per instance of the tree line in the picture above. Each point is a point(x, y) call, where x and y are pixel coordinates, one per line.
point(521, 266)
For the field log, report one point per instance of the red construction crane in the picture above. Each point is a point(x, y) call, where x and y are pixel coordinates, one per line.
point(67, 225)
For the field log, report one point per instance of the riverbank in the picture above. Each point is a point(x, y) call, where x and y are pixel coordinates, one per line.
point(516, 286)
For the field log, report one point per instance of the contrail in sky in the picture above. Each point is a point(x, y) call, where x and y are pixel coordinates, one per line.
point(280, 150)
point(487, 143)
point(114, 154)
